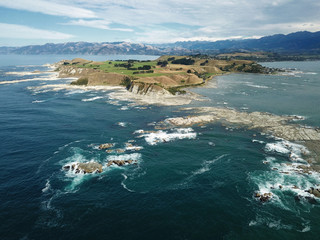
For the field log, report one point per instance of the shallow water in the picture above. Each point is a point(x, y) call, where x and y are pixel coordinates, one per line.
point(188, 184)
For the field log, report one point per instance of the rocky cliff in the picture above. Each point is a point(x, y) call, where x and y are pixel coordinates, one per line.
point(147, 89)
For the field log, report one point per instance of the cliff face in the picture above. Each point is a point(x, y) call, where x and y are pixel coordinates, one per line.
point(147, 89)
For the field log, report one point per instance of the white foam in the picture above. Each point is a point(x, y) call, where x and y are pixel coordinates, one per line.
point(124, 108)
point(38, 101)
point(293, 150)
point(122, 124)
point(24, 73)
point(294, 73)
point(154, 138)
point(269, 222)
point(91, 99)
point(114, 102)
point(307, 228)
point(206, 166)
point(257, 141)
point(284, 178)
point(60, 87)
point(77, 91)
point(125, 157)
point(51, 77)
point(134, 148)
point(138, 131)
point(298, 118)
point(47, 186)
point(123, 185)
point(256, 86)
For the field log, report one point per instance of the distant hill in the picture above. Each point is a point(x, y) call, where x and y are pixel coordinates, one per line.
point(299, 42)
point(83, 48)
point(294, 43)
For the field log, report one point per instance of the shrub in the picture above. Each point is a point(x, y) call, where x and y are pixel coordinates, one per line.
point(126, 82)
point(80, 81)
point(184, 61)
point(144, 67)
point(162, 63)
point(204, 63)
point(175, 90)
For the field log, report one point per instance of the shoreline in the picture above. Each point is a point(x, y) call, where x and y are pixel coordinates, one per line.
point(282, 127)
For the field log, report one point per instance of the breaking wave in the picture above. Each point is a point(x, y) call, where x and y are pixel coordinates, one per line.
point(155, 137)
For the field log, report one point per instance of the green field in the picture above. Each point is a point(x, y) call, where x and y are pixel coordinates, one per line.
point(111, 67)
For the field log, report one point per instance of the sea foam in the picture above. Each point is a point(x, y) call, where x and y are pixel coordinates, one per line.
point(91, 99)
point(154, 138)
point(293, 150)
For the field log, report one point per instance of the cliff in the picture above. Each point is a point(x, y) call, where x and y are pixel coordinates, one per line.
point(147, 89)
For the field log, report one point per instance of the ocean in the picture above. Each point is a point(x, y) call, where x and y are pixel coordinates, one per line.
point(195, 183)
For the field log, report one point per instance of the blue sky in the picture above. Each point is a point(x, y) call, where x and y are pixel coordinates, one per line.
point(26, 22)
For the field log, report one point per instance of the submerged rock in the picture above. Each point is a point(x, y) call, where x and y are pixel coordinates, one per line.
point(311, 200)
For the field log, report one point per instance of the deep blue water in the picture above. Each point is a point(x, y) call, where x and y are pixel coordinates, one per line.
point(198, 188)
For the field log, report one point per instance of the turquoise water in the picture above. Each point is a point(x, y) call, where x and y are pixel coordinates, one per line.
point(196, 187)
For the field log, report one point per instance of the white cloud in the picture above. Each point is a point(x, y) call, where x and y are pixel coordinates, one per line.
point(100, 24)
point(25, 32)
point(171, 36)
point(216, 18)
point(48, 7)
point(166, 21)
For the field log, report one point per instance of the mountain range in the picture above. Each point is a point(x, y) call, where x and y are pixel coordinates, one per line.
point(293, 43)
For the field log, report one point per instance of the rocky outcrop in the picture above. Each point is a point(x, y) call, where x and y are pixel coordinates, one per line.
point(147, 89)
point(85, 168)
point(106, 145)
point(314, 191)
point(263, 197)
point(121, 162)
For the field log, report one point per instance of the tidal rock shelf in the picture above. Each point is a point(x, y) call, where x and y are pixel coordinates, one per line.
point(278, 126)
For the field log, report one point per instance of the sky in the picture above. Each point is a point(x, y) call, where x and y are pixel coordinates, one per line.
point(29, 22)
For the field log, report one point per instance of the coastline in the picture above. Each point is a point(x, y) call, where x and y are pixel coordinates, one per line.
point(276, 126)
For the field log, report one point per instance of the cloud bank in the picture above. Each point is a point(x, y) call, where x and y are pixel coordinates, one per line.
point(171, 20)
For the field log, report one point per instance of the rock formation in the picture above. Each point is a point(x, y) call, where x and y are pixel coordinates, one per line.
point(89, 167)
point(121, 162)
point(263, 197)
point(106, 145)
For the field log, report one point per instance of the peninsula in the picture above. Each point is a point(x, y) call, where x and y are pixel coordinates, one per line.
point(166, 75)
